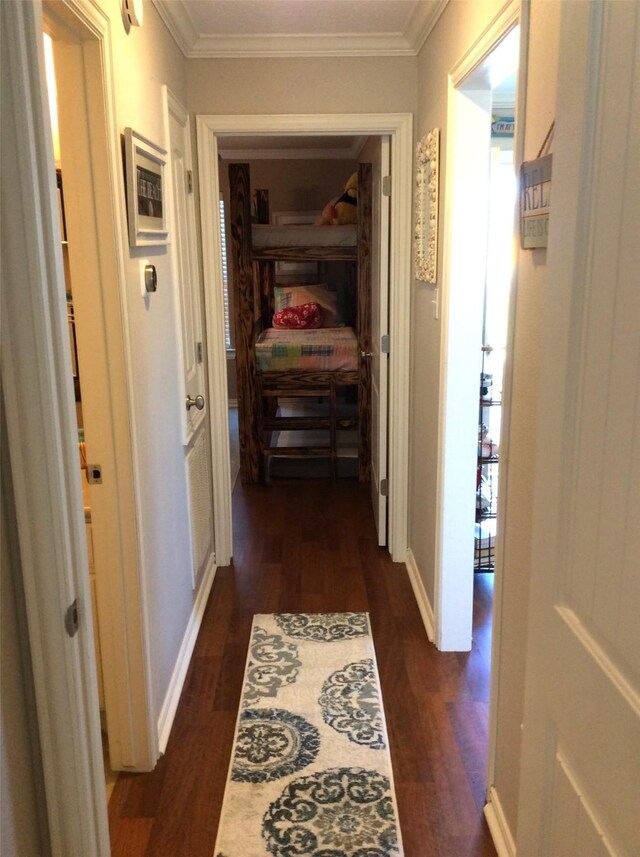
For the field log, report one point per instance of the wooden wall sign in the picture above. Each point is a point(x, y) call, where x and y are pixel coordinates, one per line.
point(535, 201)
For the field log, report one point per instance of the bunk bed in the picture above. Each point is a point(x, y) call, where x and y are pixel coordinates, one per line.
point(316, 365)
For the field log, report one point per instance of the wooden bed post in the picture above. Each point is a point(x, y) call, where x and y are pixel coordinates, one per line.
point(364, 321)
point(251, 463)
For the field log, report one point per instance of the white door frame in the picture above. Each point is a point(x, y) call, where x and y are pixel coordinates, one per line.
point(132, 729)
point(463, 283)
point(38, 394)
point(454, 575)
point(131, 724)
point(380, 328)
point(400, 127)
point(41, 422)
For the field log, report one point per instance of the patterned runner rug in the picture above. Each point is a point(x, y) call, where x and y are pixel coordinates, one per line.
point(310, 772)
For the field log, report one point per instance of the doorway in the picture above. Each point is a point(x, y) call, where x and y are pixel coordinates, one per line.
point(478, 315)
point(399, 127)
point(91, 262)
point(490, 68)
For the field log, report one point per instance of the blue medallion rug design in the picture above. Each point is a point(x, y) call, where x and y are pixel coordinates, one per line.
point(310, 773)
point(350, 703)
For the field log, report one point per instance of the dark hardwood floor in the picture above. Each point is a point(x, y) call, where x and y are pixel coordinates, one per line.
point(305, 547)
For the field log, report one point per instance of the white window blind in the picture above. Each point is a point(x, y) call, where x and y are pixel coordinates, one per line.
point(225, 280)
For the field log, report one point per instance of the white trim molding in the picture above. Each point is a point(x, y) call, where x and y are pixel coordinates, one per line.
point(400, 127)
point(176, 682)
point(195, 44)
point(42, 452)
point(487, 41)
point(122, 596)
point(344, 153)
point(498, 826)
point(424, 605)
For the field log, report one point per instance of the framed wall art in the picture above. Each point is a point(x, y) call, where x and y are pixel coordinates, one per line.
point(146, 191)
point(426, 207)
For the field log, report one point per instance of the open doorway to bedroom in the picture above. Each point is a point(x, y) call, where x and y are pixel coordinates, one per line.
point(224, 141)
point(310, 303)
point(305, 318)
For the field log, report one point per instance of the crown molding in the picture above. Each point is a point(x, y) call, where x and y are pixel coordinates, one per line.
point(178, 21)
point(301, 45)
point(194, 45)
point(422, 23)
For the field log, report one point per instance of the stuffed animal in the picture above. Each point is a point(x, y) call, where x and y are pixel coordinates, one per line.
point(343, 209)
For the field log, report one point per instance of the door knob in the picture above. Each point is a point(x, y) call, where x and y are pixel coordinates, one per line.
point(198, 402)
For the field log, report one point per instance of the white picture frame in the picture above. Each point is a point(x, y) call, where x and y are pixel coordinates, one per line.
point(426, 207)
point(147, 203)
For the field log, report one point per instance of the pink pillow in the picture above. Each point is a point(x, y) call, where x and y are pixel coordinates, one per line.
point(298, 317)
point(298, 294)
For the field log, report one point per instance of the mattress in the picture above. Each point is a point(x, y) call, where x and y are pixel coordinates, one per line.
point(305, 235)
point(325, 349)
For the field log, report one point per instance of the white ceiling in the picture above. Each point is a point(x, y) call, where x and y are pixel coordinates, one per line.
point(261, 28)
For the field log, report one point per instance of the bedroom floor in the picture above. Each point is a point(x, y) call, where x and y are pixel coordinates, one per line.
point(302, 547)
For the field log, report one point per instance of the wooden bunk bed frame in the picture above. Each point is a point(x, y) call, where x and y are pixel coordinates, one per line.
point(253, 283)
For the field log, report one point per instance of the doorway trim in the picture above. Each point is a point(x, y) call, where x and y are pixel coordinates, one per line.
point(80, 26)
point(38, 394)
point(400, 127)
point(454, 583)
point(461, 331)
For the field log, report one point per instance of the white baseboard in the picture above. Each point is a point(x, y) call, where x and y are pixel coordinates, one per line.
point(498, 826)
point(170, 704)
point(424, 605)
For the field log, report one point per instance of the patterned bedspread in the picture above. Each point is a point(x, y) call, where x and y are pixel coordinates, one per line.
point(324, 349)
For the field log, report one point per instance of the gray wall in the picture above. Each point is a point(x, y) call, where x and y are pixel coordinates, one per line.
point(458, 28)
point(143, 61)
point(294, 85)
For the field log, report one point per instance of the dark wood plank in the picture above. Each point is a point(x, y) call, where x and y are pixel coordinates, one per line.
point(293, 379)
point(251, 463)
point(311, 546)
point(305, 254)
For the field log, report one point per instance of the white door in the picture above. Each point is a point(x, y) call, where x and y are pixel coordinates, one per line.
point(196, 424)
point(379, 329)
point(188, 286)
point(580, 781)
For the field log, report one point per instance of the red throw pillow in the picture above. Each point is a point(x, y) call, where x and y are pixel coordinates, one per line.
point(298, 317)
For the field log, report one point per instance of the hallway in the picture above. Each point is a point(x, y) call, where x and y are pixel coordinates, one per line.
point(311, 547)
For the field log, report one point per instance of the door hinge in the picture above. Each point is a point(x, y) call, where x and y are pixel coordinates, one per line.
point(384, 344)
point(189, 181)
point(386, 186)
point(198, 352)
point(384, 487)
point(71, 619)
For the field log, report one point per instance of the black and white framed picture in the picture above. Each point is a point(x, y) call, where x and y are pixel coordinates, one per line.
point(146, 191)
